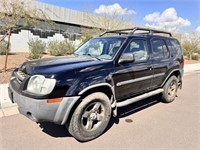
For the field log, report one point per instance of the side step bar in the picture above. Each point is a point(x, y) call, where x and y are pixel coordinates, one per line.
point(140, 97)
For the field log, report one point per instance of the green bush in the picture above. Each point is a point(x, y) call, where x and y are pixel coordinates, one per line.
point(37, 48)
point(57, 48)
point(3, 47)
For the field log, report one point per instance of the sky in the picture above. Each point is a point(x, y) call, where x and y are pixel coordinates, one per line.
point(172, 15)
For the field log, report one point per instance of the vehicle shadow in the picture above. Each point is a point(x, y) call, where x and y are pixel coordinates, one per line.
point(55, 130)
point(132, 109)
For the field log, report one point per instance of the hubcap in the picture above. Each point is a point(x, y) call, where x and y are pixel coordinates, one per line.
point(92, 116)
point(172, 89)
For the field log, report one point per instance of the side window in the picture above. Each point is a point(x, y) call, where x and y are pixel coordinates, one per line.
point(169, 45)
point(138, 48)
point(176, 47)
point(160, 50)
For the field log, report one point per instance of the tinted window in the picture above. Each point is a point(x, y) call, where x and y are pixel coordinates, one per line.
point(160, 50)
point(176, 47)
point(138, 48)
point(104, 48)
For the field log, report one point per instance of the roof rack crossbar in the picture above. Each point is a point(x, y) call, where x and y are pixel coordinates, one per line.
point(133, 30)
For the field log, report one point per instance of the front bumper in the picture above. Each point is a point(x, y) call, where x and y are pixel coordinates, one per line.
point(39, 110)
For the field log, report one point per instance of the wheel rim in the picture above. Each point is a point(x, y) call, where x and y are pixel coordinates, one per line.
point(93, 116)
point(172, 89)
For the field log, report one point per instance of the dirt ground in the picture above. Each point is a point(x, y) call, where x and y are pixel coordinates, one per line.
point(191, 61)
point(15, 59)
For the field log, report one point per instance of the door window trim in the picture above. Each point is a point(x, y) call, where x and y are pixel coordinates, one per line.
point(146, 46)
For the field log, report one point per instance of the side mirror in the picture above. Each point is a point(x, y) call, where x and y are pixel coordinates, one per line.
point(126, 58)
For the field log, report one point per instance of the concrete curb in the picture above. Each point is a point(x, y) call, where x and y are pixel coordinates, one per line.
point(8, 111)
point(191, 67)
point(4, 98)
point(8, 108)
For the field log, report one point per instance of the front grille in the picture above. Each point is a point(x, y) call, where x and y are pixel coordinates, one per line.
point(20, 76)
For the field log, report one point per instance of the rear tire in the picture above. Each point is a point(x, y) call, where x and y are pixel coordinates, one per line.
point(91, 117)
point(170, 90)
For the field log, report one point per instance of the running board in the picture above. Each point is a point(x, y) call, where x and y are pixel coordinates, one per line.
point(138, 98)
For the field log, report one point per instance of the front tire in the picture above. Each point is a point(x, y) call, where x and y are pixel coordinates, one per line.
point(170, 90)
point(91, 117)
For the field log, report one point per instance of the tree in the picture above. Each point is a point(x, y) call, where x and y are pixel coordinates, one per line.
point(12, 12)
point(191, 43)
point(109, 21)
point(86, 35)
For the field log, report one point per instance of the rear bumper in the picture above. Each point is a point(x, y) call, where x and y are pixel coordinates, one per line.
point(39, 110)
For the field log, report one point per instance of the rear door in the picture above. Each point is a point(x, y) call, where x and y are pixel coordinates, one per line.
point(160, 60)
point(135, 77)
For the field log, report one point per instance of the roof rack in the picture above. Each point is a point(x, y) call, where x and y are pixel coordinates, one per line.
point(131, 31)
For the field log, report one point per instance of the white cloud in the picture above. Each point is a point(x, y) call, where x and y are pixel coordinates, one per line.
point(198, 29)
point(114, 9)
point(168, 20)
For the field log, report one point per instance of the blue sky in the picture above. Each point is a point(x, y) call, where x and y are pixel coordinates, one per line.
point(183, 14)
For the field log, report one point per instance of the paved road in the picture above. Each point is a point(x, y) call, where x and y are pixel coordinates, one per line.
point(145, 125)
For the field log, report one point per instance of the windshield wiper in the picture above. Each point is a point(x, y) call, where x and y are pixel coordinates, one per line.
point(92, 56)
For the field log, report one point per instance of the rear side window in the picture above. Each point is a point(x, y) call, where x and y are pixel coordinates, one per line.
point(176, 48)
point(160, 50)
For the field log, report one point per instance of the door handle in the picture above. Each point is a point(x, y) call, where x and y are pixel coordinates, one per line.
point(149, 68)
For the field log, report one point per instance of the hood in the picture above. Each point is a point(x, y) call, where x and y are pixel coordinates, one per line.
point(57, 64)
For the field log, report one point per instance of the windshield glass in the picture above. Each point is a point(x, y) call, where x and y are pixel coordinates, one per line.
point(102, 48)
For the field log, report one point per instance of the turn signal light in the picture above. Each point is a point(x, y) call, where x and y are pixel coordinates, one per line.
point(55, 100)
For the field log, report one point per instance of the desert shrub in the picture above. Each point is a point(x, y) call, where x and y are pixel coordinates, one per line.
point(37, 48)
point(3, 47)
point(185, 52)
point(195, 57)
point(85, 37)
point(69, 47)
point(57, 48)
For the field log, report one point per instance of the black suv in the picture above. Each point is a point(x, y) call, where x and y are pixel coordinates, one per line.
point(83, 90)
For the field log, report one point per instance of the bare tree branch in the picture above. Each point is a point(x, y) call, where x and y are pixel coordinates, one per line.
point(107, 21)
point(14, 11)
point(191, 43)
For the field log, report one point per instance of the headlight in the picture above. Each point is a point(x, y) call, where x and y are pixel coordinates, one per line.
point(38, 84)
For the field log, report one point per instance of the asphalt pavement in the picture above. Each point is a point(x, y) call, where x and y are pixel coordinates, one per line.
point(145, 125)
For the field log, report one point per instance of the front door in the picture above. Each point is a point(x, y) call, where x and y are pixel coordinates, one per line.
point(134, 77)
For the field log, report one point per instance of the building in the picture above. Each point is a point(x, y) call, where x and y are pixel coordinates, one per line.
point(68, 24)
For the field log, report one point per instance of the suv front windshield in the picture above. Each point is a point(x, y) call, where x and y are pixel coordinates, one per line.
point(102, 48)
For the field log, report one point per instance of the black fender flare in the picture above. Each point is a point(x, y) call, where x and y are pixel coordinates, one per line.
point(169, 75)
